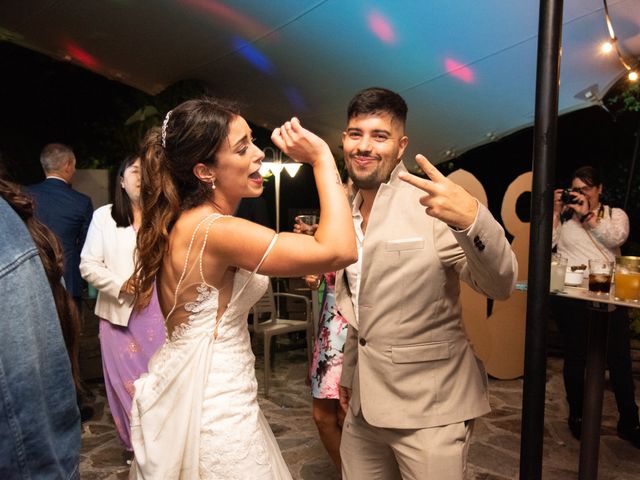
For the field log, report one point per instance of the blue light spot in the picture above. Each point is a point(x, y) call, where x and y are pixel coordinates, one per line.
point(253, 56)
point(295, 99)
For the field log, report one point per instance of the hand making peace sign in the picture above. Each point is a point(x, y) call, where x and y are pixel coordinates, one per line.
point(445, 200)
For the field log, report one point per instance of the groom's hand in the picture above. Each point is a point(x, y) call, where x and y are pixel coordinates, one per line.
point(345, 397)
point(444, 199)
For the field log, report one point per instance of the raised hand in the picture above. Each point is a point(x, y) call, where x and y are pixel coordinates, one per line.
point(445, 200)
point(299, 143)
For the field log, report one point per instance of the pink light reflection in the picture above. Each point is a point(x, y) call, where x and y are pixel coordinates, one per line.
point(82, 56)
point(382, 28)
point(458, 70)
point(244, 23)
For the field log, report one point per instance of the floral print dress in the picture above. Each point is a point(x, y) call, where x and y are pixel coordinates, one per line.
point(328, 349)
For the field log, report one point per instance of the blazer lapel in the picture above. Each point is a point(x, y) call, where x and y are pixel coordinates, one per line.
point(343, 297)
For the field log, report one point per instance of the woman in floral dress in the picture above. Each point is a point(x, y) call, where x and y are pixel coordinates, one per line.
point(326, 367)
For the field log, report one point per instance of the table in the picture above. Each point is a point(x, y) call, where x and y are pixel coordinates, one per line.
point(598, 328)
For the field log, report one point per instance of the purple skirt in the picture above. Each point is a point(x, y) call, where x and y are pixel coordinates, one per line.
point(125, 355)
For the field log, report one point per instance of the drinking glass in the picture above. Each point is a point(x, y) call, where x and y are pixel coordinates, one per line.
point(627, 278)
point(558, 270)
point(309, 220)
point(600, 276)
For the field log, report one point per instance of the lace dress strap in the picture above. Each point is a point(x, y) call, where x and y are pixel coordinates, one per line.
point(212, 217)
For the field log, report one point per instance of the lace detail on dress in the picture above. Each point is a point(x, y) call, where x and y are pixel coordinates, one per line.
point(222, 458)
point(179, 331)
point(204, 293)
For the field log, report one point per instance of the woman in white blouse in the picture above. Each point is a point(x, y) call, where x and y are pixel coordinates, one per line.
point(127, 340)
point(584, 228)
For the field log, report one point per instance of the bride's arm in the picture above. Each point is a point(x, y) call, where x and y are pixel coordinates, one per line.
point(242, 243)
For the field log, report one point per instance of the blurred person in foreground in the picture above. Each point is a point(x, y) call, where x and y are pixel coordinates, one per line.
point(39, 417)
point(584, 228)
point(410, 379)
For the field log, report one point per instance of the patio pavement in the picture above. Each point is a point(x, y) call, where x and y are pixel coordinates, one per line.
point(493, 455)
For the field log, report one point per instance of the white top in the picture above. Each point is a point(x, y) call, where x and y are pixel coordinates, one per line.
point(354, 270)
point(577, 241)
point(107, 262)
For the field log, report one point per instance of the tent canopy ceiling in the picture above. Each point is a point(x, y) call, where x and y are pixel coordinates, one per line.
point(466, 68)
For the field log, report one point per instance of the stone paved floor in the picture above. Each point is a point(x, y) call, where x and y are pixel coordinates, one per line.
point(493, 455)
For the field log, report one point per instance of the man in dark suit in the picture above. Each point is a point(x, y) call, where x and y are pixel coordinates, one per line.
point(65, 211)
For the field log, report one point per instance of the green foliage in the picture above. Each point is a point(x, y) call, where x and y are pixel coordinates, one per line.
point(132, 113)
point(150, 111)
point(626, 98)
point(96, 163)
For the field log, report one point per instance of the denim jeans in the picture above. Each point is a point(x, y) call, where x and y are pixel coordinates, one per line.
point(39, 418)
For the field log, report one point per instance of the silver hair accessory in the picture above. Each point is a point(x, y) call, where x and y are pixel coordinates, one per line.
point(164, 128)
point(213, 184)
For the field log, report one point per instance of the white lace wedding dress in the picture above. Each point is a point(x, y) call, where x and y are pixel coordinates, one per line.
point(195, 415)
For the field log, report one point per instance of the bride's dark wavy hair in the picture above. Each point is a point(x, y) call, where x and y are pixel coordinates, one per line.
point(193, 133)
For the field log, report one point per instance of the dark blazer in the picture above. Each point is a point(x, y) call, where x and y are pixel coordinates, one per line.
point(68, 214)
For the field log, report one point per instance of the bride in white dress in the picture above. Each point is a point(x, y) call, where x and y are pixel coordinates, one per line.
point(195, 414)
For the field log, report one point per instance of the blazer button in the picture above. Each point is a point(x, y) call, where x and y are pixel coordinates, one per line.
point(363, 342)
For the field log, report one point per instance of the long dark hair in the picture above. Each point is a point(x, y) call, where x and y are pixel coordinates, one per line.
point(193, 133)
point(121, 211)
point(52, 260)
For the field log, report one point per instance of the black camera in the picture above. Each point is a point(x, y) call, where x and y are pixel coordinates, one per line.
point(567, 198)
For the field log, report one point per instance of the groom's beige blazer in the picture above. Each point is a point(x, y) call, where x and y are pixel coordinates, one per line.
point(407, 359)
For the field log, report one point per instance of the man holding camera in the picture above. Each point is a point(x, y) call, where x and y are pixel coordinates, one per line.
point(583, 229)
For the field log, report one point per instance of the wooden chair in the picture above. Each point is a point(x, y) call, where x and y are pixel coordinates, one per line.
point(268, 323)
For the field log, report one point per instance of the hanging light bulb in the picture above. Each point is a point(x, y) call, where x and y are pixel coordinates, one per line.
point(265, 168)
point(292, 168)
point(606, 47)
point(633, 76)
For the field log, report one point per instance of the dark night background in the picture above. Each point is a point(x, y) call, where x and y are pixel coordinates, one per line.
point(44, 100)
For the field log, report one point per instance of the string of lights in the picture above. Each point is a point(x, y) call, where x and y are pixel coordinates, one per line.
point(612, 44)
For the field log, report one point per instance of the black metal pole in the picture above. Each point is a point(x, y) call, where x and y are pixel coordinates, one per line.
point(598, 330)
point(544, 152)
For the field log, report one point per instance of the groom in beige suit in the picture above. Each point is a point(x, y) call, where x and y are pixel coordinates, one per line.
point(410, 379)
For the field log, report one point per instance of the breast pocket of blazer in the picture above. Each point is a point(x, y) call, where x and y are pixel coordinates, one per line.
point(404, 244)
point(422, 352)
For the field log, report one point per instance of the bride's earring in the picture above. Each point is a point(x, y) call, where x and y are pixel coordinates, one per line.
point(213, 184)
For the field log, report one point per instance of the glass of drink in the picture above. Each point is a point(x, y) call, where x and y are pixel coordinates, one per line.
point(308, 221)
point(627, 279)
point(558, 270)
point(600, 276)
